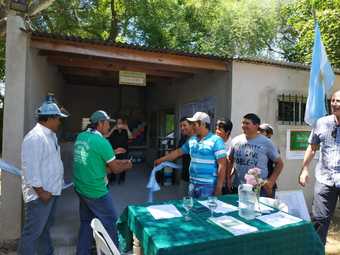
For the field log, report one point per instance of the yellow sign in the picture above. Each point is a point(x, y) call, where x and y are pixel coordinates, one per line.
point(132, 78)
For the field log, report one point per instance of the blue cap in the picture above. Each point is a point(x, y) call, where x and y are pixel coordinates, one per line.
point(49, 107)
point(100, 116)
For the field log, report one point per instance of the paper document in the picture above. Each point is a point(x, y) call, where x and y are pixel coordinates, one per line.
point(295, 201)
point(164, 211)
point(222, 207)
point(233, 225)
point(278, 219)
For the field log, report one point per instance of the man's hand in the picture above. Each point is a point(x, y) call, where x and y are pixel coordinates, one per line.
point(128, 164)
point(303, 178)
point(120, 150)
point(268, 187)
point(43, 195)
point(157, 162)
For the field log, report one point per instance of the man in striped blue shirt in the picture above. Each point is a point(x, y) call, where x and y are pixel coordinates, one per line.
point(208, 158)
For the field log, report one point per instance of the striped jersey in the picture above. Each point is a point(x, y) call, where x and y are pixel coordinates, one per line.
point(204, 154)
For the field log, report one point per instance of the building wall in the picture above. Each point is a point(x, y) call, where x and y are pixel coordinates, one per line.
point(175, 93)
point(255, 88)
point(82, 101)
point(28, 79)
point(200, 86)
point(43, 78)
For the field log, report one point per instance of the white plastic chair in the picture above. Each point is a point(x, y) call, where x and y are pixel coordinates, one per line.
point(104, 243)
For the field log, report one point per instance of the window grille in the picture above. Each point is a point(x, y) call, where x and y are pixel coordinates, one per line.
point(291, 109)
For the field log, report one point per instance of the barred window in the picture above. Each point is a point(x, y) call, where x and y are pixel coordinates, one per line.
point(292, 109)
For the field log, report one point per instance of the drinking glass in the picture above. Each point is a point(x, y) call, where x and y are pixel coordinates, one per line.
point(212, 204)
point(188, 203)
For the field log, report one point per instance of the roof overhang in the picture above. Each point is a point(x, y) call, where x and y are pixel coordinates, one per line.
point(83, 58)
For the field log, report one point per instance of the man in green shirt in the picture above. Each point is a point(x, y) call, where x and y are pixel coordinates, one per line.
point(93, 159)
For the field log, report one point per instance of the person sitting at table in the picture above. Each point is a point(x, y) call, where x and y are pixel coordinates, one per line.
point(208, 158)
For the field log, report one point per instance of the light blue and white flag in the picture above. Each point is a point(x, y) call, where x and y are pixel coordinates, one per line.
point(12, 169)
point(320, 81)
point(152, 184)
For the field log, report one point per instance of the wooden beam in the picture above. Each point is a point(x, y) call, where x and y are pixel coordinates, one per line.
point(84, 72)
point(109, 66)
point(130, 54)
point(125, 62)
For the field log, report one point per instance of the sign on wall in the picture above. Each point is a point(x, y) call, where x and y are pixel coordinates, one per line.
point(297, 143)
point(132, 78)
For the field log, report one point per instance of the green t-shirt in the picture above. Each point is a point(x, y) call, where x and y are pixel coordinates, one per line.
point(92, 152)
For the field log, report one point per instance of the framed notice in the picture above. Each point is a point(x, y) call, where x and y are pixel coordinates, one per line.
point(297, 143)
point(132, 78)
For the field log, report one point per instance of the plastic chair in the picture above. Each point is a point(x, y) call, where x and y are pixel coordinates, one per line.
point(104, 243)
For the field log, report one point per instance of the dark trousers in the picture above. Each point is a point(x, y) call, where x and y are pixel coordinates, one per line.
point(101, 208)
point(325, 199)
point(35, 237)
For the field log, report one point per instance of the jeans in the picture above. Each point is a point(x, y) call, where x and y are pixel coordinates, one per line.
point(201, 190)
point(35, 237)
point(89, 208)
point(325, 199)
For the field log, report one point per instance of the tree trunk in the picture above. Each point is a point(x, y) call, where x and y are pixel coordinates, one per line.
point(114, 22)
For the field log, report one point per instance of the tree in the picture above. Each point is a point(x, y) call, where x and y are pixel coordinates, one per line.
point(33, 8)
point(297, 29)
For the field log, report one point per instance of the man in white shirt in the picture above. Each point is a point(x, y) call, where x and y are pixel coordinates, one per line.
point(42, 179)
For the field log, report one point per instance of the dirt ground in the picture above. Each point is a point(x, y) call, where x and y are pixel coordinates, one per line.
point(333, 240)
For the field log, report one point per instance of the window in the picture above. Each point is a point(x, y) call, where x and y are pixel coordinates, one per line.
point(292, 109)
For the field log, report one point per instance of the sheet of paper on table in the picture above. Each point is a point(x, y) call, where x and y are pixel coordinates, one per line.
point(164, 211)
point(278, 219)
point(222, 207)
point(233, 225)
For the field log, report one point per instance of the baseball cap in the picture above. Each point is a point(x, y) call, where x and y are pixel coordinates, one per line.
point(200, 116)
point(100, 116)
point(266, 127)
point(49, 107)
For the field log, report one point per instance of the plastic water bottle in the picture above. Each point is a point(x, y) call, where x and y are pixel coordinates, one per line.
point(246, 201)
point(167, 176)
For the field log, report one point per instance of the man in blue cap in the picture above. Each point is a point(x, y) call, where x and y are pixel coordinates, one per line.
point(42, 179)
point(93, 159)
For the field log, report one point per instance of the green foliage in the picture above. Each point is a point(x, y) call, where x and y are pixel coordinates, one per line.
point(243, 27)
point(298, 29)
point(219, 27)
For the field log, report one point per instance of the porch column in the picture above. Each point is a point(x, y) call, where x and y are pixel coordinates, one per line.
point(13, 126)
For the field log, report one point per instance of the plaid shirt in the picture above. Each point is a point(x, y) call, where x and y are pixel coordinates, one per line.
point(327, 134)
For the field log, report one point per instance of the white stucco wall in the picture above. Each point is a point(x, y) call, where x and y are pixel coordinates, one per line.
point(255, 88)
point(42, 79)
point(28, 79)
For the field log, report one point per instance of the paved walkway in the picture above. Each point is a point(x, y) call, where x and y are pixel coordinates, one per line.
point(133, 191)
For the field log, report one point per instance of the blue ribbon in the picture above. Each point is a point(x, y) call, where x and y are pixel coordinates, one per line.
point(9, 168)
point(152, 184)
point(12, 169)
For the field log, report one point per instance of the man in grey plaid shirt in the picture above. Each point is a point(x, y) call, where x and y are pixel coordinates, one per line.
point(326, 135)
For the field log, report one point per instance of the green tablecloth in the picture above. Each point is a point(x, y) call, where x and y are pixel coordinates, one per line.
point(199, 236)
